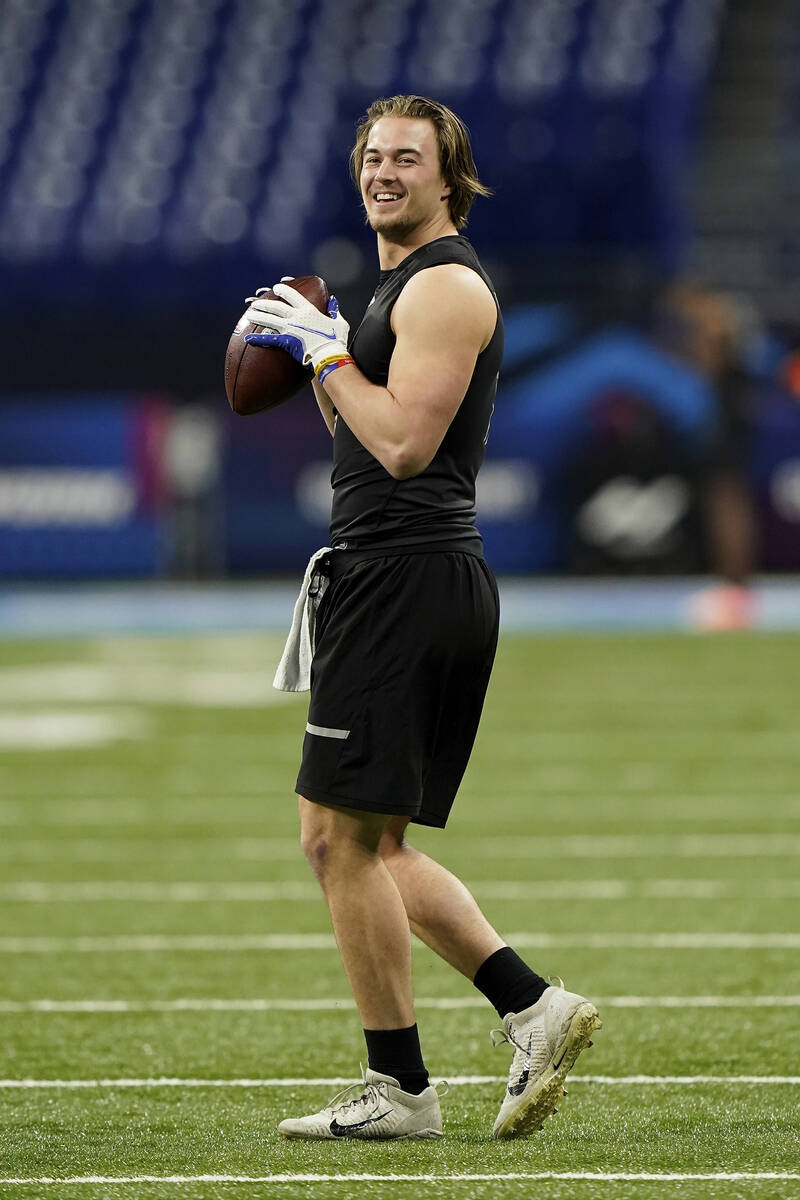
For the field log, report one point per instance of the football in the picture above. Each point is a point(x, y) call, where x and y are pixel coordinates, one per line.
point(259, 378)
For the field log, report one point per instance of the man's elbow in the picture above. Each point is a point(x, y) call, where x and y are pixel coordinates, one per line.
point(404, 462)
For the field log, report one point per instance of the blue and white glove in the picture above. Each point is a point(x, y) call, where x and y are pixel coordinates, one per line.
point(311, 337)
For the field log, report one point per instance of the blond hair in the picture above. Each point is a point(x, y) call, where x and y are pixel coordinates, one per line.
point(455, 151)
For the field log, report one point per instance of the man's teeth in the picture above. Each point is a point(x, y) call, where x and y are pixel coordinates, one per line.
point(387, 196)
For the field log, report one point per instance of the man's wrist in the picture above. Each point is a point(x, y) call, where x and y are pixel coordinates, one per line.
point(331, 362)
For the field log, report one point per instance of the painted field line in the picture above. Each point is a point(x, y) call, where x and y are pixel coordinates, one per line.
point(54, 816)
point(341, 1080)
point(660, 846)
point(345, 1004)
point(576, 1176)
point(93, 806)
point(651, 889)
point(639, 845)
point(238, 943)
point(165, 847)
point(90, 892)
point(257, 891)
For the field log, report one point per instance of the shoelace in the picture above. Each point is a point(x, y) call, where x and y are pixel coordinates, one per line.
point(507, 1035)
point(371, 1093)
point(368, 1094)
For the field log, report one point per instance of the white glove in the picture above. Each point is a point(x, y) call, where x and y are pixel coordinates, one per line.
point(311, 337)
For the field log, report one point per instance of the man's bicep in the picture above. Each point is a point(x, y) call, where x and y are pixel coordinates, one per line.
point(429, 376)
point(439, 334)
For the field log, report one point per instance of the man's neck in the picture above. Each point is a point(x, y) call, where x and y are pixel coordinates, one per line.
point(391, 254)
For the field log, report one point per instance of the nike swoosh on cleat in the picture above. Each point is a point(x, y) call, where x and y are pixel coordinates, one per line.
point(558, 1061)
point(566, 1045)
point(516, 1089)
point(342, 1130)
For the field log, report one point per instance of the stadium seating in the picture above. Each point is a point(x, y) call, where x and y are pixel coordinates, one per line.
point(167, 132)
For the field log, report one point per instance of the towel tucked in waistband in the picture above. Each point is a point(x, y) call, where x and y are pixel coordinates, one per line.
point(294, 669)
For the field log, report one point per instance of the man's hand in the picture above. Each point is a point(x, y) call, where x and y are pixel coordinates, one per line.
point(311, 337)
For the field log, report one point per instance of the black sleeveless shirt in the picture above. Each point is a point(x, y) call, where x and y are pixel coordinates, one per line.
point(371, 510)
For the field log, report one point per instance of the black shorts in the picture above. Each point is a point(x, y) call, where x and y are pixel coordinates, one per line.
point(404, 648)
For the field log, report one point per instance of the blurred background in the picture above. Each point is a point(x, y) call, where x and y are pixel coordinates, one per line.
point(159, 159)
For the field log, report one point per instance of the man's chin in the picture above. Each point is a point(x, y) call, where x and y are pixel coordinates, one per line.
point(391, 230)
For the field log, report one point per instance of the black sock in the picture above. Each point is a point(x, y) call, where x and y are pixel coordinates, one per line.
point(508, 983)
point(396, 1052)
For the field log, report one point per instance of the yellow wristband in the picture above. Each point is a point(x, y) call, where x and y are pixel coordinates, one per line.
point(327, 365)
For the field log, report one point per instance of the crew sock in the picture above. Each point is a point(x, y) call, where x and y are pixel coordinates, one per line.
point(396, 1052)
point(508, 982)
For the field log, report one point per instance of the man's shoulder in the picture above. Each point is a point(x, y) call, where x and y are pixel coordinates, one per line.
point(445, 304)
point(451, 258)
point(446, 279)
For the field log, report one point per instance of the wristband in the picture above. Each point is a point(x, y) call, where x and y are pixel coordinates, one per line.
point(327, 365)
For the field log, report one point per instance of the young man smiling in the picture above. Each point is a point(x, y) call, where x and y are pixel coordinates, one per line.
point(406, 629)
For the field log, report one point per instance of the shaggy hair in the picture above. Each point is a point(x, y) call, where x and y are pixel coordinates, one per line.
point(455, 151)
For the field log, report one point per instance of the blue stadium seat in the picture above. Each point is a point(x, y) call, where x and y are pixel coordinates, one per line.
point(152, 133)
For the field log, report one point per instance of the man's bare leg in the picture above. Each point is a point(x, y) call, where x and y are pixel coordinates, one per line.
point(367, 911)
point(560, 1024)
point(441, 911)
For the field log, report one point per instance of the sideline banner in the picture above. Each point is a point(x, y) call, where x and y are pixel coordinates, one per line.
point(81, 486)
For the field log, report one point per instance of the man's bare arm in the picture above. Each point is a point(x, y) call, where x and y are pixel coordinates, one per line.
point(443, 319)
point(325, 405)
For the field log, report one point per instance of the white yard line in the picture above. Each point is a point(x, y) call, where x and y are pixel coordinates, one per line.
point(651, 889)
point(59, 729)
point(345, 1004)
point(639, 845)
point(238, 943)
point(341, 1081)
point(105, 802)
point(661, 941)
point(258, 849)
point(214, 685)
point(164, 846)
point(577, 1176)
point(123, 891)
point(257, 891)
point(114, 811)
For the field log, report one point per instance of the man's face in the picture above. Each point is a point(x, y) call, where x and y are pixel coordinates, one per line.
point(401, 180)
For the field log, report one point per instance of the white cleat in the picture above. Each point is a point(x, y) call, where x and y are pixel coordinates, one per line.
point(379, 1110)
point(547, 1039)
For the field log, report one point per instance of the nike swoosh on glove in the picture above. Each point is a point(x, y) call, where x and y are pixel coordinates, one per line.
point(311, 337)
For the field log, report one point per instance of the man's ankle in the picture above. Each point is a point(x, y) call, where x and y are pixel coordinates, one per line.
point(397, 1053)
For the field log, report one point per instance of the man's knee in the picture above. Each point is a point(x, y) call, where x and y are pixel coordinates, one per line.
point(393, 841)
point(333, 836)
point(314, 836)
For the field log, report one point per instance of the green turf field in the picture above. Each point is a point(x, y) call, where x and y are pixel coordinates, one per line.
point(169, 987)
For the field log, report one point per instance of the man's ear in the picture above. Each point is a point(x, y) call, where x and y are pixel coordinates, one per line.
point(447, 190)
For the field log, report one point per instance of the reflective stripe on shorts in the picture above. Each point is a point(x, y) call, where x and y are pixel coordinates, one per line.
point(324, 731)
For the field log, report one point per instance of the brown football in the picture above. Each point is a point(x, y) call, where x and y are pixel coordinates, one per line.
point(259, 378)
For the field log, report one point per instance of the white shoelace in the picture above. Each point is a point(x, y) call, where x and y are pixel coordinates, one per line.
point(507, 1035)
point(369, 1095)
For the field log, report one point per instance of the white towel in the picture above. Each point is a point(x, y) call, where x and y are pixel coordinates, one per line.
point(294, 669)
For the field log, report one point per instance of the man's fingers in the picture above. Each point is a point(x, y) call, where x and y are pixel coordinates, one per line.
point(275, 308)
point(262, 291)
point(291, 296)
point(263, 339)
point(333, 307)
